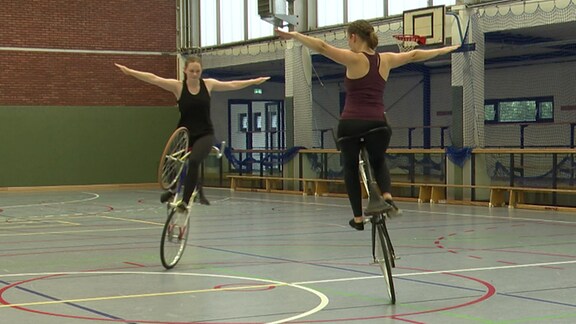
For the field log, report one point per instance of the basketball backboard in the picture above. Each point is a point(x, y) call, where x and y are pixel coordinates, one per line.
point(428, 22)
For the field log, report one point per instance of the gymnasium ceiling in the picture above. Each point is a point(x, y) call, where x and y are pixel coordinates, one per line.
point(536, 44)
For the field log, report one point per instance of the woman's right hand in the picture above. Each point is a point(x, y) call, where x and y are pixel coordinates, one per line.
point(122, 68)
point(284, 34)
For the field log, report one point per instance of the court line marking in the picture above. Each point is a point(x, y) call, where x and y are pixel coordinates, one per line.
point(94, 196)
point(508, 218)
point(38, 224)
point(415, 274)
point(324, 300)
point(132, 220)
point(412, 274)
point(80, 231)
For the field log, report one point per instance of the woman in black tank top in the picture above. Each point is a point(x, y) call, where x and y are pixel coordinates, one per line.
point(364, 108)
point(193, 95)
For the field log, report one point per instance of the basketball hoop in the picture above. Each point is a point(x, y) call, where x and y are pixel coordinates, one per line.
point(407, 43)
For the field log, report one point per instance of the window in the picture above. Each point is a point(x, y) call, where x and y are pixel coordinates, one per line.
point(243, 122)
point(208, 30)
point(330, 12)
point(519, 110)
point(369, 9)
point(273, 122)
point(398, 7)
point(258, 122)
point(444, 2)
point(490, 112)
point(231, 21)
point(257, 27)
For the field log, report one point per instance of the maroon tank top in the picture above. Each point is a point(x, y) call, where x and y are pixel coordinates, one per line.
point(364, 96)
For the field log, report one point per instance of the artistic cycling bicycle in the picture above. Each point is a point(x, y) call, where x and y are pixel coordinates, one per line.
point(377, 210)
point(171, 174)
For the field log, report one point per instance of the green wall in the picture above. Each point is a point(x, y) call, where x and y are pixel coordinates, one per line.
point(49, 146)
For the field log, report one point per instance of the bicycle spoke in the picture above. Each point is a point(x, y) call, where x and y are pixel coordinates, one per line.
point(173, 158)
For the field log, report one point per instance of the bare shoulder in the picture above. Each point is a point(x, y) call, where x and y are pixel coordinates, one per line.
point(387, 56)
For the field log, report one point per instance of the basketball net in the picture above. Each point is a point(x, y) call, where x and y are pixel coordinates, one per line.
point(407, 43)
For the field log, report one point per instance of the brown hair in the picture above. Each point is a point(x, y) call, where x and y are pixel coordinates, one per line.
point(192, 59)
point(365, 31)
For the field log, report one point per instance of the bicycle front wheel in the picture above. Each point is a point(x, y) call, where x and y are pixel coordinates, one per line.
point(384, 258)
point(172, 160)
point(174, 238)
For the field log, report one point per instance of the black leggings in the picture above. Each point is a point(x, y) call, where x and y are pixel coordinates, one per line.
point(200, 148)
point(376, 145)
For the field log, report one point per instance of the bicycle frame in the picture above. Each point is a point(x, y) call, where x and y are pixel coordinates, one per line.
point(183, 159)
point(178, 192)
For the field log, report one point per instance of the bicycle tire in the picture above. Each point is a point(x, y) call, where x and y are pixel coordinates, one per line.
point(174, 238)
point(383, 258)
point(391, 253)
point(171, 163)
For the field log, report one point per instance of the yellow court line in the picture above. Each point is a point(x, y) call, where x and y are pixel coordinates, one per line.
point(133, 220)
point(68, 223)
point(37, 224)
point(173, 293)
point(82, 231)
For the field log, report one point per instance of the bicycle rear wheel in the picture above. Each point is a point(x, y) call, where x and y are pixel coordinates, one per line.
point(172, 162)
point(384, 259)
point(174, 238)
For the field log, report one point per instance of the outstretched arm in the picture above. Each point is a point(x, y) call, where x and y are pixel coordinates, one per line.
point(339, 55)
point(171, 85)
point(398, 59)
point(215, 85)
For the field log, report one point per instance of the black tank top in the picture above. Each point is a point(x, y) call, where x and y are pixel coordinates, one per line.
point(195, 111)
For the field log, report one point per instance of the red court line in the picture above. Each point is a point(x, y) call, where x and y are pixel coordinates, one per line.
point(490, 291)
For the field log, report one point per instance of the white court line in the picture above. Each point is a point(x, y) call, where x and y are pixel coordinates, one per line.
point(324, 300)
point(414, 274)
point(508, 218)
point(94, 196)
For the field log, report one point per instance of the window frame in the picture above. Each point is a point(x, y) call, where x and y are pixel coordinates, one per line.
point(538, 119)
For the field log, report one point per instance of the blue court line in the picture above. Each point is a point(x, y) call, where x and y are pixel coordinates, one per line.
point(285, 260)
point(69, 304)
point(540, 300)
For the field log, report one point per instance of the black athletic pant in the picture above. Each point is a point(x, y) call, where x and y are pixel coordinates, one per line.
point(200, 148)
point(376, 145)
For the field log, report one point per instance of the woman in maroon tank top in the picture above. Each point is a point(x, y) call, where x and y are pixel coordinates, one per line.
point(193, 96)
point(366, 75)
